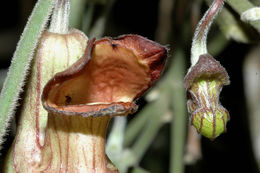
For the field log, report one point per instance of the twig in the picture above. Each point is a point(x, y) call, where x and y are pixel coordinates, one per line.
point(231, 27)
point(240, 7)
point(155, 110)
point(178, 129)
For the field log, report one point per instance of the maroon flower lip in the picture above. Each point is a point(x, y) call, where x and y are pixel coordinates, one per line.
point(107, 79)
point(208, 67)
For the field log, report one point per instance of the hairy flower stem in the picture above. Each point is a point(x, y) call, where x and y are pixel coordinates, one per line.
point(60, 17)
point(199, 42)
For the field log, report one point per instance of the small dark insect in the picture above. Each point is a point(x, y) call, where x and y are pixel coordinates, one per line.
point(68, 99)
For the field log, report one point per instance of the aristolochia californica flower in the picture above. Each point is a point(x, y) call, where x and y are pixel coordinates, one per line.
point(204, 81)
point(82, 86)
point(104, 83)
point(81, 100)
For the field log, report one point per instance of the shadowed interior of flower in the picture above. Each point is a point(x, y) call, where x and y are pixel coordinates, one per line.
point(107, 79)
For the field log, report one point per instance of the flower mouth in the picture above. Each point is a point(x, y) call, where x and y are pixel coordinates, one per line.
point(107, 79)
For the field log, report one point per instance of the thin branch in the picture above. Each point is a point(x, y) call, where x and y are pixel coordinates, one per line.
point(178, 125)
point(242, 6)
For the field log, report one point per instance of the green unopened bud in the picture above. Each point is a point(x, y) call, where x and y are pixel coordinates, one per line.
point(204, 83)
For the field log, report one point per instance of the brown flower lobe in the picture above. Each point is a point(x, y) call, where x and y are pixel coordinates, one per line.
point(107, 79)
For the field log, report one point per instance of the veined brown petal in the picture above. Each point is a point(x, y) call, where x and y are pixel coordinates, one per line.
point(107, 79)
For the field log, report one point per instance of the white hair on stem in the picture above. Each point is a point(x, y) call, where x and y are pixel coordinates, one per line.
point(199, 42)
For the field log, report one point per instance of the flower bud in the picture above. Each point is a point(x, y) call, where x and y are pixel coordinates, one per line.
point(204, 83)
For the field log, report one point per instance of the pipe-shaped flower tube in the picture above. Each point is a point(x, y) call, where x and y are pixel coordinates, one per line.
point(81, 100)
point(55, 52)
point(58, 48)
